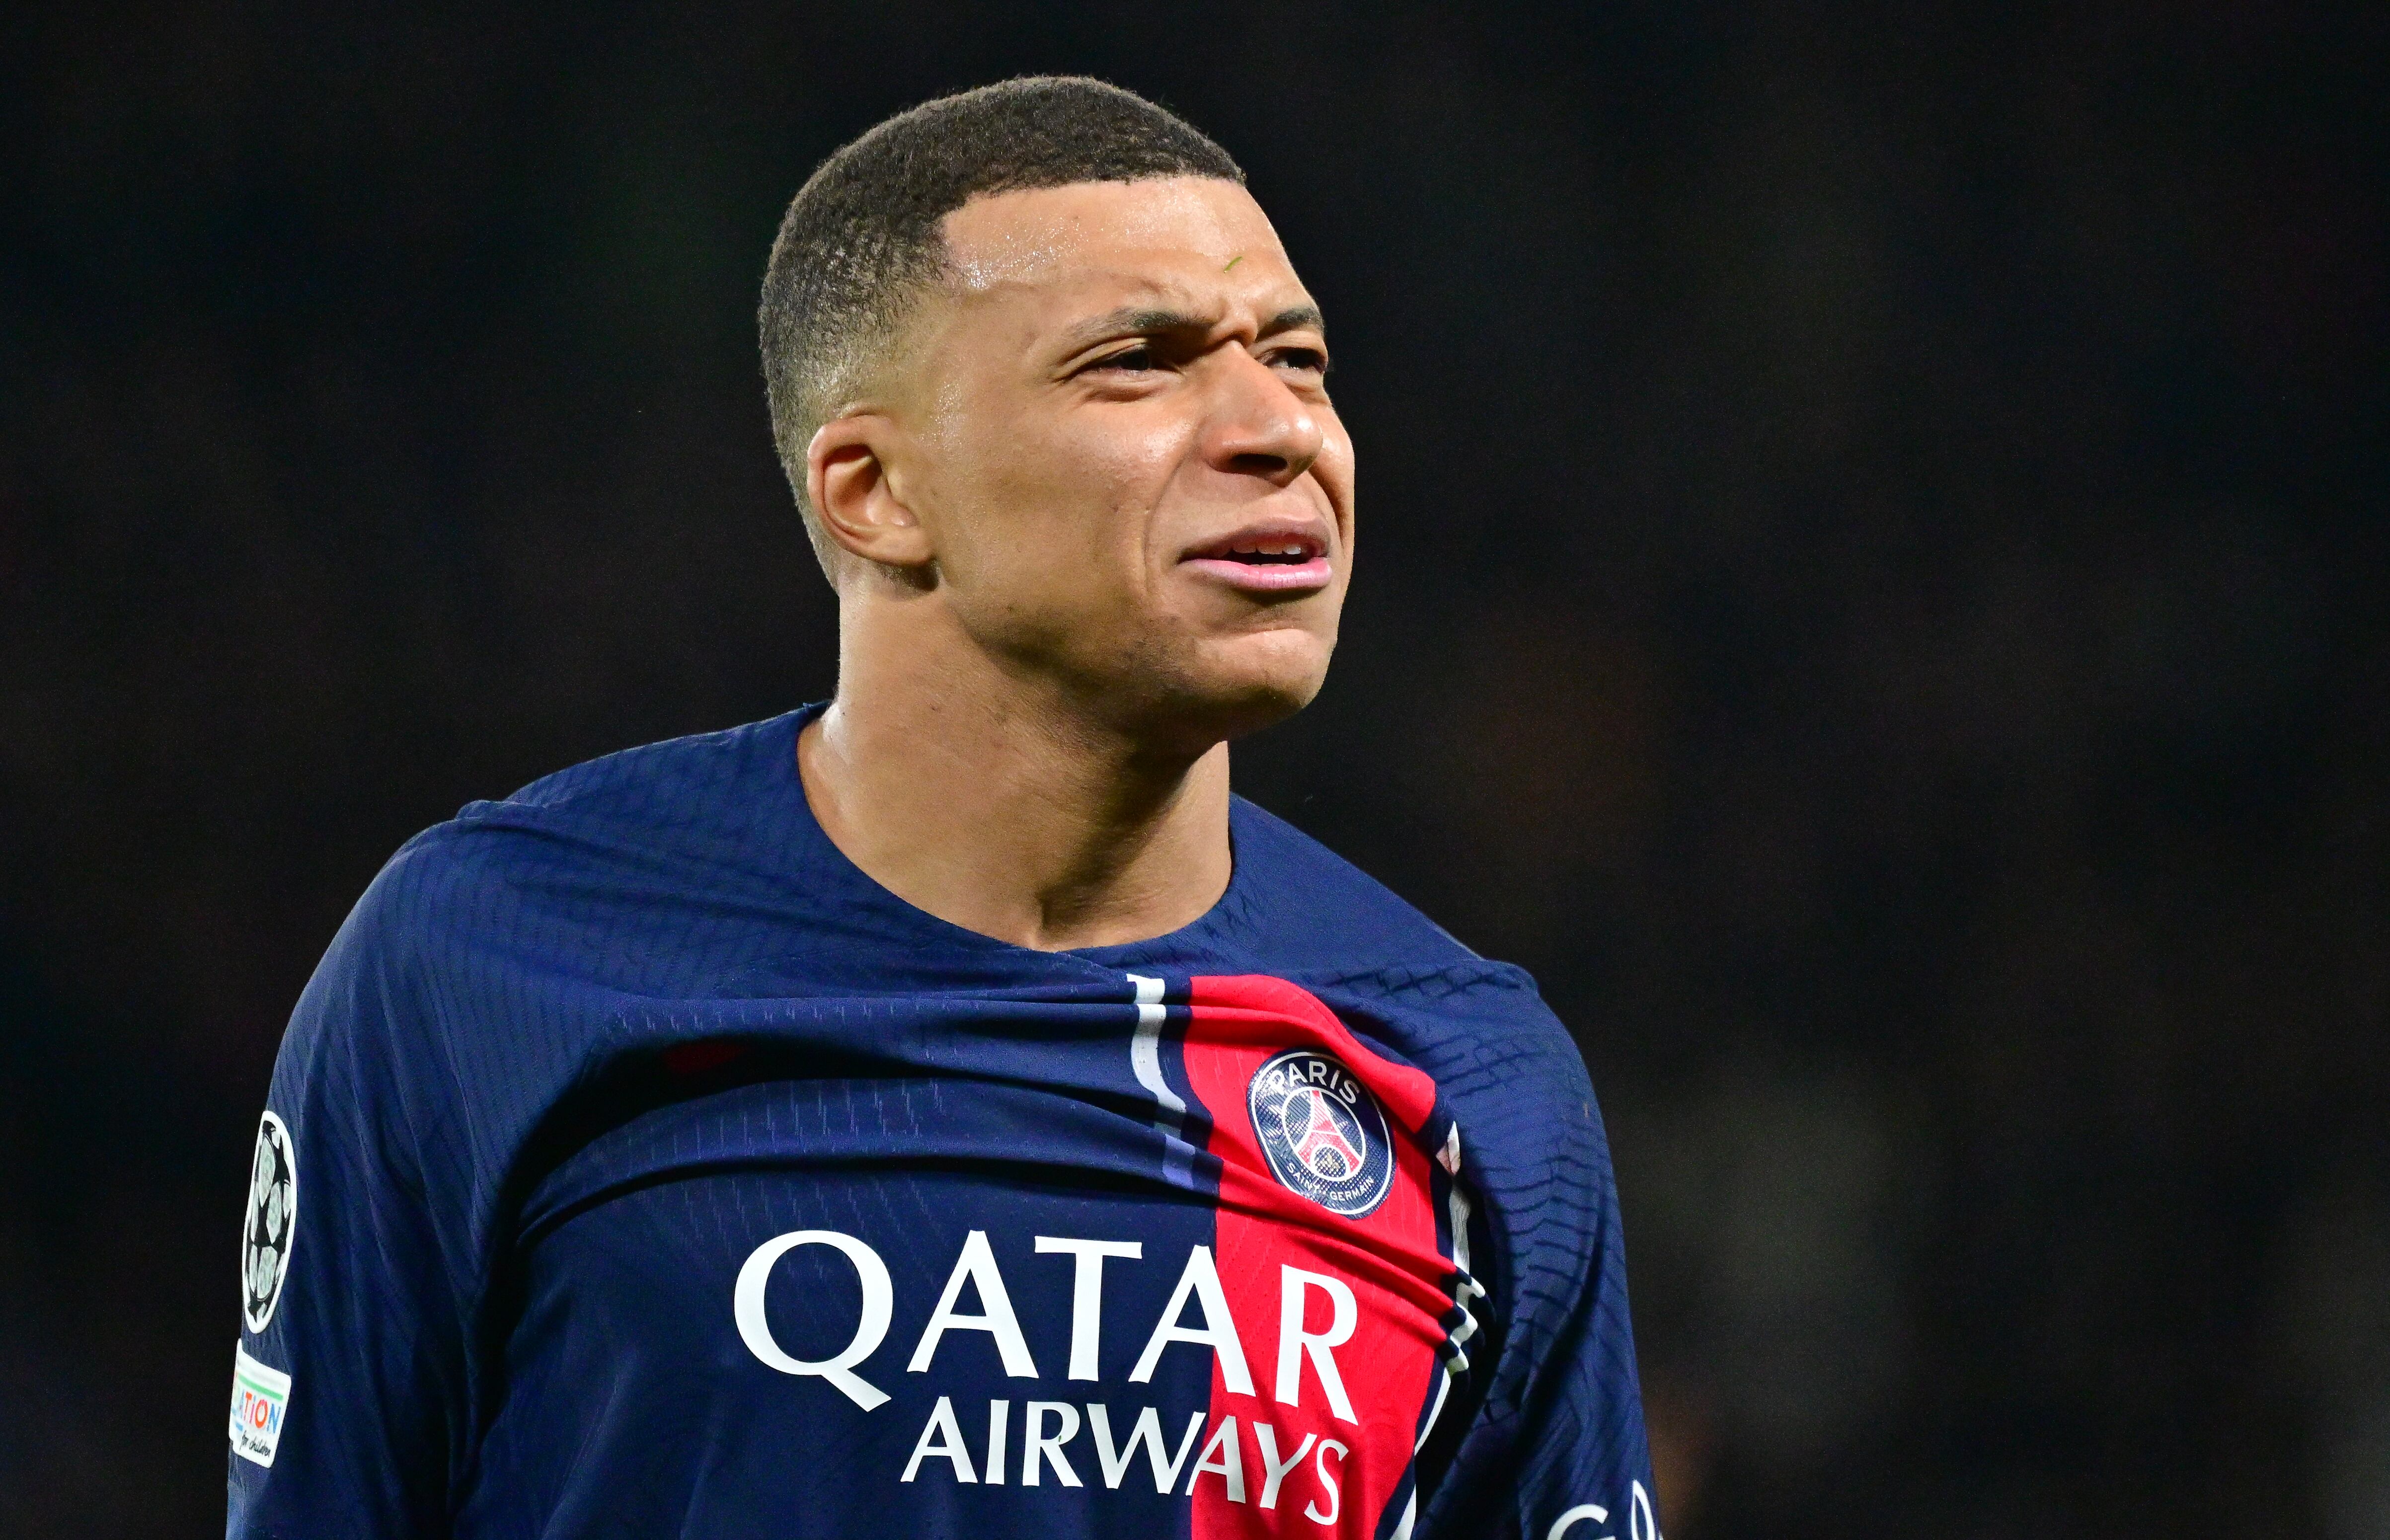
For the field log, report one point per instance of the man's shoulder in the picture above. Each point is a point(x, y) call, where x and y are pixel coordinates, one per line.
point(1325, 923)
point(1304, 894)
point(688, 822)
point(690, 797)
point(679, 782)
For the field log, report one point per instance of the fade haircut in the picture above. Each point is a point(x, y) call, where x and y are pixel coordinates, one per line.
point(861, 240)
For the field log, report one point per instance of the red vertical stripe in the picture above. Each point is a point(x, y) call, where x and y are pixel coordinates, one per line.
point(1388, 1258)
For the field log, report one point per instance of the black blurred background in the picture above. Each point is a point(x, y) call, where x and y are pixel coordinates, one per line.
point(1873, 590)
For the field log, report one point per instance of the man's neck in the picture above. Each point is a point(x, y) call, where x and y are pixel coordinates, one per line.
point(960, 790)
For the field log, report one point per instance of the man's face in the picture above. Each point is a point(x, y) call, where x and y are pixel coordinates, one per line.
point(1120, 449)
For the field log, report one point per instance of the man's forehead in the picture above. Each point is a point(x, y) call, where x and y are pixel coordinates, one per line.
point(1158, 238)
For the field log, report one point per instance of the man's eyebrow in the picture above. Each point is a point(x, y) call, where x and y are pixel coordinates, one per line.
point(1295, 319)
point(1137, 321)
point(1149, 320)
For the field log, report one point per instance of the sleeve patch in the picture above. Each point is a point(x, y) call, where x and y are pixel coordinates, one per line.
point(272, 1222)
point(260, 1397)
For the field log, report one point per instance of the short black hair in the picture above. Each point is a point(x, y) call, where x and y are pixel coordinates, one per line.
point(862, 235)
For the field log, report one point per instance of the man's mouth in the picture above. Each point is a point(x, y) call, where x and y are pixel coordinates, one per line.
point(1267, 561)
point(1270, 552)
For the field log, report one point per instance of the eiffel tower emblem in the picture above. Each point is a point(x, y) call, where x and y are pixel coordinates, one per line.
point(1321, 1135)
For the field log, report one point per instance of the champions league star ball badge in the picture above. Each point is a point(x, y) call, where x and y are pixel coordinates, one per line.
point(273, 1220)
point(1322, 1132)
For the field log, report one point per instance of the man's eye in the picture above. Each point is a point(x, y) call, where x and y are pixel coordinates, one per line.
point(1136, 359)
point(1307, 360)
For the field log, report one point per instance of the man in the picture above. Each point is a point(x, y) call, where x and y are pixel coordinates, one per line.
point(950, 1112)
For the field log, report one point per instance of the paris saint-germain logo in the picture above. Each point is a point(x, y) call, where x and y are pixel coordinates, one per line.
point(1322, 1132)
point(272, 1224)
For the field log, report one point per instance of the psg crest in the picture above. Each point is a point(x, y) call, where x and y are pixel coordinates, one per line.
point(1322, 1132)
point(273, 1219)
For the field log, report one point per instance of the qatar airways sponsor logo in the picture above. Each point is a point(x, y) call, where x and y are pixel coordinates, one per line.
point(1070, 1442)
point(1047, 1426)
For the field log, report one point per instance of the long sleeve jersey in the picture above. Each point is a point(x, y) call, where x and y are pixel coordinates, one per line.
point(635, 1165)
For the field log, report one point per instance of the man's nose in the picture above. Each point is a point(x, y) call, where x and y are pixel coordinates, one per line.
point(1259, 426)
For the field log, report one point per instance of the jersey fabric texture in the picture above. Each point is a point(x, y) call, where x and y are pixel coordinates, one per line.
point(635, 1165)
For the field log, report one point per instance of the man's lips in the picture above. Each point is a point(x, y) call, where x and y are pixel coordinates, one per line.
point(1272, 559)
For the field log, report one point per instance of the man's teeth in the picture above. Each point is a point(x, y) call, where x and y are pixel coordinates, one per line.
point(1252, 548)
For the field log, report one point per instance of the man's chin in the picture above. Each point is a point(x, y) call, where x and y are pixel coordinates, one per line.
point(1220, 698)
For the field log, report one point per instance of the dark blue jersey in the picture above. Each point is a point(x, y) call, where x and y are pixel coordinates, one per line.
point(634, 1165)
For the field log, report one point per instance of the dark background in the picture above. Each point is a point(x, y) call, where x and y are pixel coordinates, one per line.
point(1874, 590)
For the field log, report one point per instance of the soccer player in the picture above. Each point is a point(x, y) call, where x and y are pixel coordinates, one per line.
point(949, 1112)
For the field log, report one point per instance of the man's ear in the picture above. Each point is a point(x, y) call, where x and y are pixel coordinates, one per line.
point(847, 480)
